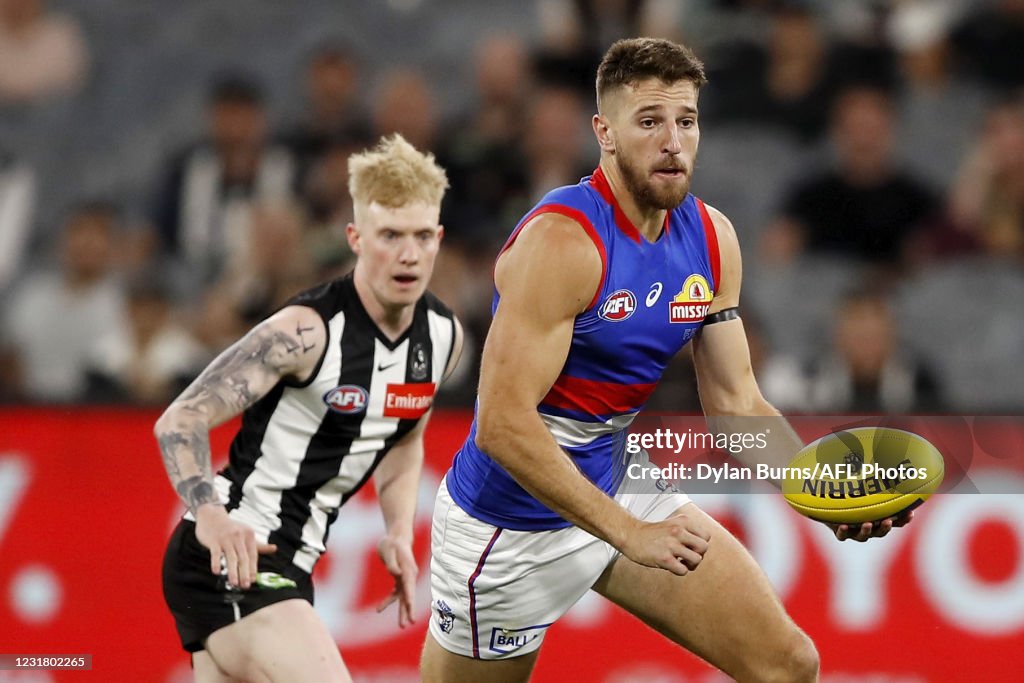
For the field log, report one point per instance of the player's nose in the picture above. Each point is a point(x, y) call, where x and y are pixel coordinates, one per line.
point(673, 143)
point(409, 253)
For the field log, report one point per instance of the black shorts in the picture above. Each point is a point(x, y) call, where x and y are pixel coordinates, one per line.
point(202, 603)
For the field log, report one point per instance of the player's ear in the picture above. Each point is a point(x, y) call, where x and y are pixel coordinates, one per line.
point(602, 132)
point(440, 233)
point(352, 234)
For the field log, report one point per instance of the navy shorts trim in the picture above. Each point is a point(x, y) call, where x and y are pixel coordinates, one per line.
point(201, 603)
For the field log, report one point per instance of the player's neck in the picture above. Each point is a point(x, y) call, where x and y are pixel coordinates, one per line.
point(648, 222)
point(391, 319)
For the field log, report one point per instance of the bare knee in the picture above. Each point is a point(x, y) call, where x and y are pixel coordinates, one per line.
point(795, 661)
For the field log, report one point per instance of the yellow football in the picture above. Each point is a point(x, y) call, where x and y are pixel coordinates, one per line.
point(862, 474)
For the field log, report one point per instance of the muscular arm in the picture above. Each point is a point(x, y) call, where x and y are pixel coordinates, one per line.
point(729, 393)
point(289, 344)
point(728, 390)
point(524, 353)
point(721, 356)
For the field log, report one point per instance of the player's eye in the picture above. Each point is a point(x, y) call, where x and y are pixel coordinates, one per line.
point(688, 122)
point(647, 123)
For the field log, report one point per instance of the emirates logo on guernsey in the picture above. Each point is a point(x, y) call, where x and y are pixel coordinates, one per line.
point(692, 302)
point(408, 401)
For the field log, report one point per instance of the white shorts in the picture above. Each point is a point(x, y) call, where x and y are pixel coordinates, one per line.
point(495, 592)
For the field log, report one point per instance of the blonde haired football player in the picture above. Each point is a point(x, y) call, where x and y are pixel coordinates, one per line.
point(335, 388)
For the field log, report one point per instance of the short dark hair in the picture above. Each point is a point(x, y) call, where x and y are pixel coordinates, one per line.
point(99, 207)
point(631, 60)
point(331, 53)
point(235, 89)
point(870, 293)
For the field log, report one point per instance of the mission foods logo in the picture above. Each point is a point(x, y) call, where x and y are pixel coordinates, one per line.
point(408, 401)
point(692, 302)
point(618, 306)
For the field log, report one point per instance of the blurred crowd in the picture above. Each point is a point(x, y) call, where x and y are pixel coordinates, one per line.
point(870, 153)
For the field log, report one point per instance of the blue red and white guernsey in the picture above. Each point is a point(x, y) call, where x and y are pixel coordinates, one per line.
point(652, 300)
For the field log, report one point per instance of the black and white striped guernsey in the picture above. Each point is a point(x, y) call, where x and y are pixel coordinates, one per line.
point(303, 450)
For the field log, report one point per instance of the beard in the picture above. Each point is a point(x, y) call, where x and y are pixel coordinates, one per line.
point(645, 192)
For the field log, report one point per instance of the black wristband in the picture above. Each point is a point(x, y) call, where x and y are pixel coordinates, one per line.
point(723, 315)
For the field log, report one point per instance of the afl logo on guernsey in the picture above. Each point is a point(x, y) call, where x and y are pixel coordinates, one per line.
point(618, 306)
point(692, 302)
point(347, 399)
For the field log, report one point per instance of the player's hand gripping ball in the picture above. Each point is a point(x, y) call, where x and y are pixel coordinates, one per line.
point(864, 474)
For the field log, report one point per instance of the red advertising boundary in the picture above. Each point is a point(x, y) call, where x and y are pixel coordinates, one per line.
point(85, 510)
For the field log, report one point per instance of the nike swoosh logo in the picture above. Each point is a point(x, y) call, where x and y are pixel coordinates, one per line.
point(381, 367)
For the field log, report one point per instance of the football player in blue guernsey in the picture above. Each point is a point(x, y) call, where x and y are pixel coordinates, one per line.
point(596, 290)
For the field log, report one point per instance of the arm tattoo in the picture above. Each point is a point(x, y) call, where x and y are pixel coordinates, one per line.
point(233, 382)
point(227, 380)
point(289, 344)
point(175, 446)
point(299, 329)
point(195, 491)
point(169, 443)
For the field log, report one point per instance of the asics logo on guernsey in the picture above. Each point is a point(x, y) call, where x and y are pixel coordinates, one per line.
point(654, 294)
